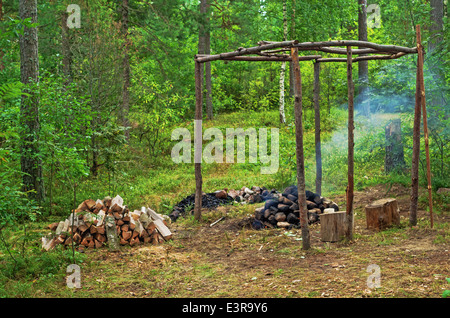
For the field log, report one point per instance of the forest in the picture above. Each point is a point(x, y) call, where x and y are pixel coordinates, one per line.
point(95, 96)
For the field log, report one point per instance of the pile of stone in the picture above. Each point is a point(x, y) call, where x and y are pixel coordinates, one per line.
point(283, 210)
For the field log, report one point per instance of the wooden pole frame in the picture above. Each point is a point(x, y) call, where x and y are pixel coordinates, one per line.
point(317, 130)
point(268, 51)
point(420, 106)
point(299, 149)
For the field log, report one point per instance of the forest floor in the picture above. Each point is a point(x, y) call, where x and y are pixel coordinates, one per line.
point(230, 259)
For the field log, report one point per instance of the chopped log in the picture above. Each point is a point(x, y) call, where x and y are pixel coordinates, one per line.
point(116, 208)
point(159, 223)
point(124, 228)
point(100, 237)
point(98, 206)
point(48, 244)
point(93, 229)
point(117, 200)
point(382, 214)
point(333, 226)
point(97, 244)
point(77, 238)
point(90, 204)
point(117, 215)
point(68, 241)
point(100, 229)
point(100, 217)
point(53, 226)
point(59, 228)
point(85, 242)
point(126, 235)
point(123, 242)
point(107, 202)
point(134, 241)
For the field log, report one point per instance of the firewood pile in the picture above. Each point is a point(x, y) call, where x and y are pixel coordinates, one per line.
point(282, 210)
point(97, 223)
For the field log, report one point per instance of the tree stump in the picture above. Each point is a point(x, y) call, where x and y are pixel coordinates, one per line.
point(333, 226)
point(382, 214)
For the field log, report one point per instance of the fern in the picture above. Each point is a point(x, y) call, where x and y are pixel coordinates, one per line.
point(11, 90)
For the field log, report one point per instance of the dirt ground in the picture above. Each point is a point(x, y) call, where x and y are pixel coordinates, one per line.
point(230, 259)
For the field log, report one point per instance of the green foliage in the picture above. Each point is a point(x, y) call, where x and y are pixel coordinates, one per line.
point(446, 293)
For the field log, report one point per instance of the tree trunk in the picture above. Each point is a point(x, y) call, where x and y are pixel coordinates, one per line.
point(208, 84)
point(198, 143)
point(2, 65)
point(351, 145)
point(416, 140)
point(437, 24)
point(394, 159)
point(317, 128)
point(126, 72)
point(299, 150)
point(31, 163)
point(204, 47)
point(363, 66)
point(65, 49)
point(291, 73)
point(283, 69)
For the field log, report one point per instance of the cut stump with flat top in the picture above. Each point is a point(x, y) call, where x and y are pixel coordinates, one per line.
point(333, 226)
point(382, 213)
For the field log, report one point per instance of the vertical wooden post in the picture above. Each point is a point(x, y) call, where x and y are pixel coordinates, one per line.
point(351, 145)
point(416, 138)
point(317, 128)
point(197, 144)
point(299, 149)
point(420, 57)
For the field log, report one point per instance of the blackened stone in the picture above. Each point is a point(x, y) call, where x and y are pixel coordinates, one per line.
point(174, 215)
point(310, 205)
point(313, 217)
point(259, 215)
point(265, 193)
point(283, 207)
point(290, 190)
point(291, 218)
point(272, 220)
point(292, 197)
point(257, 198)
point(280, 217)
point(317, 199)
point(270, 203)
point(310, 195)
point(257, 224)
point(273, 209)
point(334, 206)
